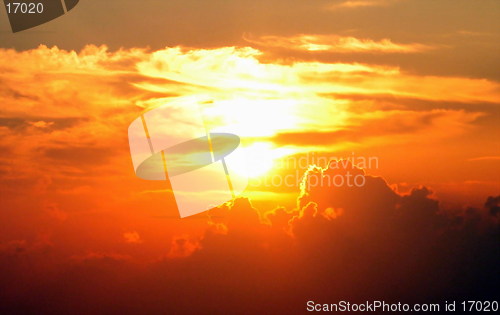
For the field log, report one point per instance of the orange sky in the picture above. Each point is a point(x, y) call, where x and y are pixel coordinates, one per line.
point(72, 108)
point(394, 80)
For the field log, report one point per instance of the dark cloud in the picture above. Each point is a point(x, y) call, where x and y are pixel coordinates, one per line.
point(387, 102)
point(359, 129)
point(98, 258)
point(352, 243)
point(7, 91)
point(76, 155)
point(39, 123)
point(493, 205)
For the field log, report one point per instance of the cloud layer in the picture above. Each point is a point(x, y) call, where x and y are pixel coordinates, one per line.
point(78, 226)
point(336, 44)
point(351, 244)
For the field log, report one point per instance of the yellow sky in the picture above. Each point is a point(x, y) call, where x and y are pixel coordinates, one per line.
point(424, 129)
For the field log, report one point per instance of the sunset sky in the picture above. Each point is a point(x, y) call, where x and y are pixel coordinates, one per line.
point(413, 83)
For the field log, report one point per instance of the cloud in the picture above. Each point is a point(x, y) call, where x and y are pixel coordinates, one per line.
point(371, 243)
point(493, 205)
point(132, 238)
point(12, 247)
point(335, 44)
point(53, 210)
point(378, 239)
point(354, 4)
point(399, 125)
point(22, 248)
point(65, 111)
point(65, 157)
point(98, 257)
point(72, 155)
point(39, 124)
point(183, 246)
point(485, 158)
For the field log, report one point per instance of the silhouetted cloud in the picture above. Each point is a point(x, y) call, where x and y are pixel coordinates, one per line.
point(355, 242)
point(493, 205)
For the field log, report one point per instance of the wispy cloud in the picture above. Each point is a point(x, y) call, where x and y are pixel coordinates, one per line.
point(485, 158)
point(354, 4)
point(336, 44)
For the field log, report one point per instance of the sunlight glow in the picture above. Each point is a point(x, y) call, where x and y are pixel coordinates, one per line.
point(260, 158)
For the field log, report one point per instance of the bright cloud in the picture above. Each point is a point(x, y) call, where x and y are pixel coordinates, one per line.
point(336, 44)
point(354, 4)
point(64, 113)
